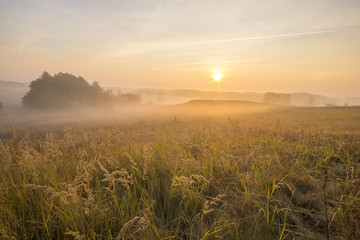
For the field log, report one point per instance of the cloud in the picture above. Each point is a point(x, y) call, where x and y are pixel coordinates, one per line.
point(149, 48)
point(22, 45)
point(287, 35)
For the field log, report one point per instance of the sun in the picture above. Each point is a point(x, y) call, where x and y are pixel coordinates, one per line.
point(217, 77)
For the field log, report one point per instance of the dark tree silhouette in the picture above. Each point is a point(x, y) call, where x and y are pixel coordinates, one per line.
point(64, 90)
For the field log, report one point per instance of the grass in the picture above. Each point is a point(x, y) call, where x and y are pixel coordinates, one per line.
point(286, 174)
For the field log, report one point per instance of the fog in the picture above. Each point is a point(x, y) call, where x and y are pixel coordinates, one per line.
point(63, 99)
point(127, 115)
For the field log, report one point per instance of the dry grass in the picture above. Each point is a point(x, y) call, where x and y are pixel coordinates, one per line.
point(270, 176)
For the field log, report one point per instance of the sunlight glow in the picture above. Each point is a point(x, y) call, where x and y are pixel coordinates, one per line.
point(217, 77)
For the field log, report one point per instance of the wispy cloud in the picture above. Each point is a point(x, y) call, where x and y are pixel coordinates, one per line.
point(22, 45)
point(155, 47)
point(206, 62)
point(287, 35)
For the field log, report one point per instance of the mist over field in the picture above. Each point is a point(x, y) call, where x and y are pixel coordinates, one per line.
point(63, 98)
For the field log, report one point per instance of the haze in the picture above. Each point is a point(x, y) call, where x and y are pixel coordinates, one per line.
point(278, 45)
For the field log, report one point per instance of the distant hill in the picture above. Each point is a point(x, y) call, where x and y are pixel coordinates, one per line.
point(12, 92)
point(13, 85)
point(223, 103)
point(307, 99)
point(188, 94)
point(352, 101)
point(176, 96)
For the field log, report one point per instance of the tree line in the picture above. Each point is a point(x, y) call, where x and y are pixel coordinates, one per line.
point(277, 98)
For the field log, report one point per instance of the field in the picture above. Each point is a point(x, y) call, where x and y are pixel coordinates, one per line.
point(280, 173)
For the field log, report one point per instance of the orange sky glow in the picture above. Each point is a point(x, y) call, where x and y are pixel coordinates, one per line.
point(275, 45)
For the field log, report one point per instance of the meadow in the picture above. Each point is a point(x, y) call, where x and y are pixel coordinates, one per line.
point(287, 173)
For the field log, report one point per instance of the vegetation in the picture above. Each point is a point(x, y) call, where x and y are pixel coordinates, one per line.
point(291, 173)
point(63, 90)
point(128, 98)
point(277, 98)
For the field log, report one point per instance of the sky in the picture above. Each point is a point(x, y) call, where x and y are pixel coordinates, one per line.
point(257, 45)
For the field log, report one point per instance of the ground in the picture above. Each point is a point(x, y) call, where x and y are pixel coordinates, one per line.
point(275, 173)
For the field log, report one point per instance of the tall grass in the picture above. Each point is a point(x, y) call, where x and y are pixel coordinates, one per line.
point(255, 178)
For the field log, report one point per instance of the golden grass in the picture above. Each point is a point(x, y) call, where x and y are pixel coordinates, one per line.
point(277, 175)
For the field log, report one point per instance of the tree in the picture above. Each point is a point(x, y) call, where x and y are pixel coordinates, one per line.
point(129, 98)
point(310, 102)
point(64, 90)
point(277, 98)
